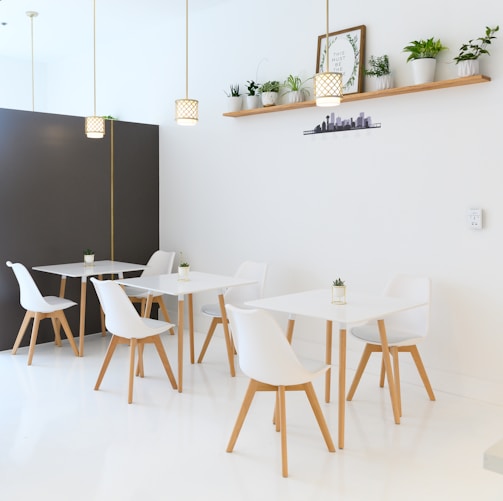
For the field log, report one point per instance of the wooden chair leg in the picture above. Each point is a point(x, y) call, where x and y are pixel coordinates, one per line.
point(245, 406)
point(422, 372)
point(164, 359)
point(57, 331)
point(396, 373)
point(34, 334)
point(108, 356)
point(132, 350)
point(282, 426)
point(160, 301)
point(318, 413)
point(359, 371)
point(60, 315)
point(24, 325)
point(211, 330)
point(139, 366)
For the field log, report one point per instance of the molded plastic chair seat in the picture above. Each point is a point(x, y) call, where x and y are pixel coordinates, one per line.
point(268, 359)
point(404, 331)
point(127, 327)
point(37, 308)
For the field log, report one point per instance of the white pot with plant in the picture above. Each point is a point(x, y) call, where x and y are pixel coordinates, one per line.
point(296, 90)
point(183, 269)
point(88, 257)
point(379, 68)
point(234, 99)
point(252, 98)
point(423, 57)
point(269, 92)
point(467, 61)
point(338, 292)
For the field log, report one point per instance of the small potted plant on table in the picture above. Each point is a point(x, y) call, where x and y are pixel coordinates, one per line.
point(183, 269)
point(379, 68)
point(423, 55)
point(338, 292)
point(269, 92)
point(88, 257)
point(467, 61)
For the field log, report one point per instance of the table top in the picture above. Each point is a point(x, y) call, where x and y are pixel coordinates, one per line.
point(98, 268)
point(172, 285)
point(317, 304)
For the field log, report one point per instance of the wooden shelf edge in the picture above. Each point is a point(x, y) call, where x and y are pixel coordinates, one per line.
point(396, 91)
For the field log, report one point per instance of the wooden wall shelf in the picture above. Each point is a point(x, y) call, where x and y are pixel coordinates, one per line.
point(443, 84)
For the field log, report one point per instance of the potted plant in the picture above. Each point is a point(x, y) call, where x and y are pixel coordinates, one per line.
point(338, 292)
point(269, 92)
point(183, 269)
point(379, 68)
point(252, 99)
point(467, 60)
point(88, 257)
point(235, 100)
point(423, 56)
point(296, 89)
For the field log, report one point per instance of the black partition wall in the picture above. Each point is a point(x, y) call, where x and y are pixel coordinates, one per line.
point(61, 192)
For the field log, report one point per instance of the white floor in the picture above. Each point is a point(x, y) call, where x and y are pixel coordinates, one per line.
point(62, 441)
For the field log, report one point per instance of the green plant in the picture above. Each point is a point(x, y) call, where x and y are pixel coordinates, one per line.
point(476, 47)
point(88, 252)
point(234, 91)
point(295, 84)
point(338, 283)
point(420, 49)
point(183, 263)
point(252, 87)
point(379, 66)
point(270, 86)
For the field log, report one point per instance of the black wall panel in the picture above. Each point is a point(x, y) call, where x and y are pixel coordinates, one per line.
point(56, 191)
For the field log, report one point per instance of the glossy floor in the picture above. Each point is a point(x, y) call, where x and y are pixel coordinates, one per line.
point(62, 441)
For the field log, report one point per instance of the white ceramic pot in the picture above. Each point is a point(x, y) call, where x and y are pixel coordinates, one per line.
point(423, 70)
point(88, 259)
point(338, 294)
point(295, 96)
point(253, 102)
point(384, 82)
point(269, 98)
point(235, 103)
point(183, 272)
point(468, 68)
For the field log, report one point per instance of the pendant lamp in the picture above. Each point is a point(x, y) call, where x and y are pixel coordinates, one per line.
point(95, 126)
point(328, 85)
point(31, 14)
point(186, 110)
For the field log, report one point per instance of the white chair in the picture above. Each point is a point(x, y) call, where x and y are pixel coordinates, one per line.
point(403, 331)
point(37, 308)
point(160, 263)
point(268, 359)
point(127, 327)
point(237, 296)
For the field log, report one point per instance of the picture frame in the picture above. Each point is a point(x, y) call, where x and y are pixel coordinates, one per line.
point(347, 56)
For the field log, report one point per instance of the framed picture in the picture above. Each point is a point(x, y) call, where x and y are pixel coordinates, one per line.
point(346, 51)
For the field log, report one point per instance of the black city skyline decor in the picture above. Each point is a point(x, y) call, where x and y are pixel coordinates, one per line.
point(337, 124)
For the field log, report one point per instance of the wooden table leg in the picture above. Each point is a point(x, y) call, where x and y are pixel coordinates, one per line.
point(57, 329)
point(191, 328)
point(102, 314)
point(289, 328)
point(342, 385)
point(82, 326)
point(328, 359)
point(389, 372)
point(228, 341)
point(180, 343)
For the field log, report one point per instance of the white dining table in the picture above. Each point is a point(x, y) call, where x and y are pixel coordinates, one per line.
point(358, 308)
point(83, 271)
point(172, 285)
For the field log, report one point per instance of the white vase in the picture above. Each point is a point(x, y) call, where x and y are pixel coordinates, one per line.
point(234, 103)
point(295, 96)
point(89, 259)
point(183, 272)
point(423, 70)
point(468, 68)
point(253, 102)
point(338, 294)
point(269, 98)
point(384, 82)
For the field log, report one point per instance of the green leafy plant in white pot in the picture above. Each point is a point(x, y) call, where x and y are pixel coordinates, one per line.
point(269, 92)
point(235, 98)
point(183, 268)
point(252, 98)
point(467, 60)
point(88, 257)
point(338, 292)
point(378, 67)
point(296, 89)
point(423, 57)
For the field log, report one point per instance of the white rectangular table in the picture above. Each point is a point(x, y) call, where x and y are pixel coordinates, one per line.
point(359, 308)
point(83, 271)
point(198, 282)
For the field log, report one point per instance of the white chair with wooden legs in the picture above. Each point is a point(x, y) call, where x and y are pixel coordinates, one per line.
point(404, 331)
point(127, 327)
point(268, 359)
point(160, 263)
point(37, 308)
point(236, 296)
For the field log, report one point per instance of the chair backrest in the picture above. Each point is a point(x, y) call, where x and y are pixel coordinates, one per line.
point(30, 296)
point(416, 287)
point(264, 352)
point(160, 262)
point(249, 270)
point(121, 317)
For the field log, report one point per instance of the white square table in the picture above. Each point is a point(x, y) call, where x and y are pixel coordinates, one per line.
point(171, 284)
point(359, 308)
point(99, 268)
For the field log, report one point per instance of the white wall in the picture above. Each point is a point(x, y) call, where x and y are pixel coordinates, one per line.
point(359, 205)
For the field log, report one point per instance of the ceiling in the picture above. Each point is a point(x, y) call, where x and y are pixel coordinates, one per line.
point(64, 26)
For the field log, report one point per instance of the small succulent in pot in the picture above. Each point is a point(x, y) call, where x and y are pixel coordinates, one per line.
point(233, 91)
point(338, 283)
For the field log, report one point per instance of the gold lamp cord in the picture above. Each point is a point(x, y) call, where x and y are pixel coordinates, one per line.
point(186, 49)
point(94, 52)
point(31, 15)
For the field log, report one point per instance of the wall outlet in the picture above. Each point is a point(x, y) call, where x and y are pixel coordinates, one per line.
point(475, 219)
